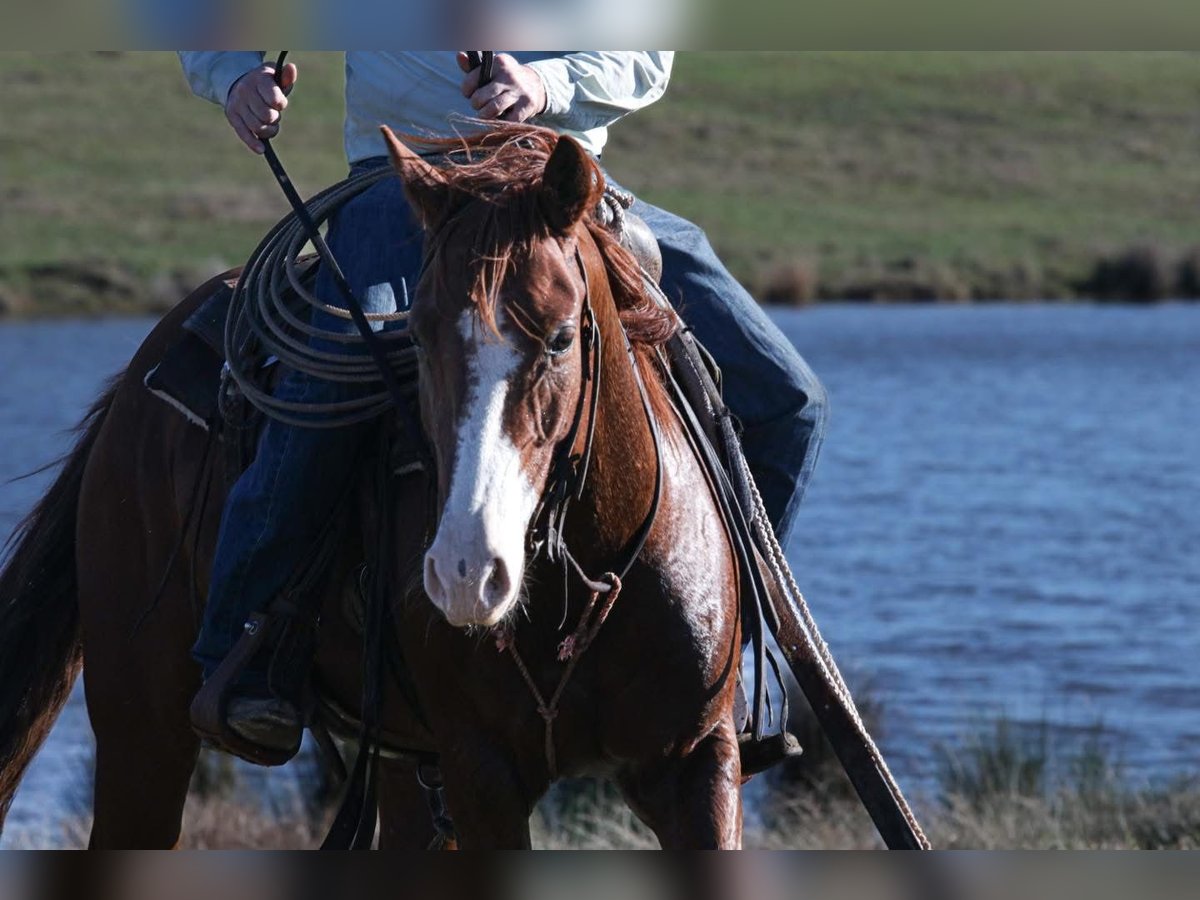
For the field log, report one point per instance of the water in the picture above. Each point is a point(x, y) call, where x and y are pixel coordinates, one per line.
point(49, 374)
point(1003, 520)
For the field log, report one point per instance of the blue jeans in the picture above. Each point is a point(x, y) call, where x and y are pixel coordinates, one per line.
point(277, 508)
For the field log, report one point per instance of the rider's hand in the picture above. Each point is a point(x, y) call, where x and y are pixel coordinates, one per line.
point(255, 104)
point(515, 94)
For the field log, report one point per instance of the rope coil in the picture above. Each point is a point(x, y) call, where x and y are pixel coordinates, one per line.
point(273, 304)
point(270, 318)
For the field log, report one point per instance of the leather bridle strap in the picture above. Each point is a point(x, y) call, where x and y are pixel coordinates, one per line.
point(569, 470)
point(581, 471)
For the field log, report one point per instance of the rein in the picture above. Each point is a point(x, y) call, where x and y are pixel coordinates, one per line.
point(355, 824)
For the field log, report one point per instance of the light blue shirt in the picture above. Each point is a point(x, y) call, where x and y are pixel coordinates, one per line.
point(418, 92)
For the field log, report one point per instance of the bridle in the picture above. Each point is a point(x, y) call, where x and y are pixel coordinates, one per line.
point(569, 467)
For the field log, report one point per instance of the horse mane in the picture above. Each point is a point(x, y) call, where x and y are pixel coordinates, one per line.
point(502, 168)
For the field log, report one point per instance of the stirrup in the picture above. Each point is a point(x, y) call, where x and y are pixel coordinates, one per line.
point(209, 709)
point(758, 756)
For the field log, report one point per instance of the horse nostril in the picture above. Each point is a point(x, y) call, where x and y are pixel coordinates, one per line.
point(433, 584)
point(498, 583)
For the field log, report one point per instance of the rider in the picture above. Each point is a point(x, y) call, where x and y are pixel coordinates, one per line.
point(277, 508)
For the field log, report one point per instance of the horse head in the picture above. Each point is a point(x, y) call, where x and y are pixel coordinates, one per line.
point(498, 316)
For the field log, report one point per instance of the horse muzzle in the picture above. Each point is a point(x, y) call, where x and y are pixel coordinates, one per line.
point(471, 583)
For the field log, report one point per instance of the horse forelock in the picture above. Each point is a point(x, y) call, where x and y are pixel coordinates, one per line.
point(493, 180)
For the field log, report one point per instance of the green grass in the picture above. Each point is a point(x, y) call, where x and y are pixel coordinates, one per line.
point(974, 159)
point(110, 158)
point(988, 172)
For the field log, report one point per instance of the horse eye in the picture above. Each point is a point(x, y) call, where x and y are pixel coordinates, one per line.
point(560, 342)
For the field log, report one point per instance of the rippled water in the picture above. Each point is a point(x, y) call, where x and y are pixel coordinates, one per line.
point(1004, 519)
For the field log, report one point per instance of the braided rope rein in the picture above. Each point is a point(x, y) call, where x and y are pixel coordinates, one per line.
point(817, 647)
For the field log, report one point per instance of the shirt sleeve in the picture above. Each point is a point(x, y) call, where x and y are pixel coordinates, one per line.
point(211, 73)
point(593, 89)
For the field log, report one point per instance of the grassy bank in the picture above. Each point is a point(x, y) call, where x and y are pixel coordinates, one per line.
point(825, 175)
point(1005, 788)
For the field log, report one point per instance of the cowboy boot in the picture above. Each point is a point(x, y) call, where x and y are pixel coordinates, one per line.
point(264, 720)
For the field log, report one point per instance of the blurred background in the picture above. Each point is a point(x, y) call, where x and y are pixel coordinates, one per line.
point(986, 257)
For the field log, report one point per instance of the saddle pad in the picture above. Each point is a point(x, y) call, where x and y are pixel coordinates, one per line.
point(188, 378)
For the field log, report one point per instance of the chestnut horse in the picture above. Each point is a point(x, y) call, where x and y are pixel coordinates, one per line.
point(536, 339)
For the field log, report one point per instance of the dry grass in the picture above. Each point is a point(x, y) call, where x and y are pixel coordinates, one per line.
point(1167, 818)
point(792, 284)
point(825, 818)
point(1006, 787)
point(225, 824)
point(217, 823)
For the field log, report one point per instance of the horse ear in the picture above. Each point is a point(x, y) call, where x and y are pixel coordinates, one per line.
point(569, 185)
point(424, 183)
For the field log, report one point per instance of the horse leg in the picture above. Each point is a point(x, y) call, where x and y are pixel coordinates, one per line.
point(694, 802)
point(484, 795)
point(139, 677)
point(404, 818)
point(140, 789)
point(138, 688)
point(137, 695)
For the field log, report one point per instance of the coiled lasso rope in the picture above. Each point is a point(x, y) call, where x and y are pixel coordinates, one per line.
point(269, 317)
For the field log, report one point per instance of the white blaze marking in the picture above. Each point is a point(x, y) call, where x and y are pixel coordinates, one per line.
point(491, 499)
point(488, 479)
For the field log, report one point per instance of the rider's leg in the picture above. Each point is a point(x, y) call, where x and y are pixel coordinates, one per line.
point(768, 386)
point(272, 515)
point(278, 507)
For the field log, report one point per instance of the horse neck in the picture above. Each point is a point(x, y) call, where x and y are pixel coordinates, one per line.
point(620, 484)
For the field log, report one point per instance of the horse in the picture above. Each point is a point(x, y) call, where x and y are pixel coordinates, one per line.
point(538, 351)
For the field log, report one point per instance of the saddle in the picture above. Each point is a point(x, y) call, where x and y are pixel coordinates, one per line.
point(188, 377)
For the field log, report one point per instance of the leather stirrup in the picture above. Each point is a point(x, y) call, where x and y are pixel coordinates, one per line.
point(208, 712)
